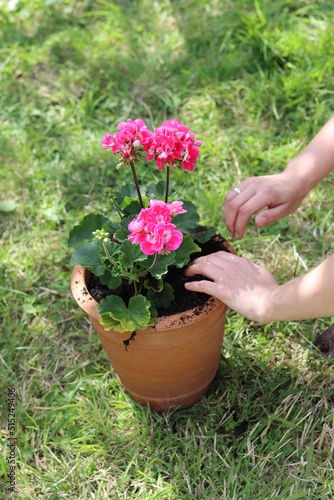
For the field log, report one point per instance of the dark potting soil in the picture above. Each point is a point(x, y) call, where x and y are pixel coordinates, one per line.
point(184, 299)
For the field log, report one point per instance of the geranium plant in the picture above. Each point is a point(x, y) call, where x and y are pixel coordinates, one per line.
point(131, 248)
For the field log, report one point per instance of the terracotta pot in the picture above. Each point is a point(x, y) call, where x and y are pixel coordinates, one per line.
point(171, 364)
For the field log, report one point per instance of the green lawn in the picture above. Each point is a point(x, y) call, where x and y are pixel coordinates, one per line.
point(254, 79)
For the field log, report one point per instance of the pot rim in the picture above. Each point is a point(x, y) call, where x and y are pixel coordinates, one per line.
point(80, 276)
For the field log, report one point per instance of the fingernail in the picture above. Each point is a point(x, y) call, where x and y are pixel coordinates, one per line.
point(262, 220)
point(230, 234)
point(236, 235)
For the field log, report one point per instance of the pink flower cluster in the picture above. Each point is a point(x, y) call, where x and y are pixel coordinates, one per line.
point(172, 143)
point(131, 135)
point(153, 228)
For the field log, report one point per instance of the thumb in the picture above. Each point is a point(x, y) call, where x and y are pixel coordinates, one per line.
point(266, 217)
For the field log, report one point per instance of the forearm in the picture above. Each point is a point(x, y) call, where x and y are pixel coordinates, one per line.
point(306, 297)
point(315, 161)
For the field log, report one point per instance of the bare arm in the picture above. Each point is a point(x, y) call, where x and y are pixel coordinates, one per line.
point(308, 296)
point(253, 292)
point(250, 289)
point(281, 193)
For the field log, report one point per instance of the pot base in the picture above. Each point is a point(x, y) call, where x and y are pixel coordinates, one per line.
point(165, 403)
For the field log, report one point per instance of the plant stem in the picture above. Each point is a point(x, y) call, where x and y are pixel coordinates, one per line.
point(136, 183)
point(135, 287)
point(167, 185)
point(111, 260)
point(108, 254)
point(156, 257)
point(120, 213)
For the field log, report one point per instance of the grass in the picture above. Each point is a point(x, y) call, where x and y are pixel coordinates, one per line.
point(254, 80)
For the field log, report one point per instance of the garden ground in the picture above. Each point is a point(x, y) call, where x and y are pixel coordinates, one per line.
point(254, 80)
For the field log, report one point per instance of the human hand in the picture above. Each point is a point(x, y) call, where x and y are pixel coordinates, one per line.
point(281, 193)
point(237, 281)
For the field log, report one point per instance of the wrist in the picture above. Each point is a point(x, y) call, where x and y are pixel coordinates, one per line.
point(268, 307)
point(300, 173)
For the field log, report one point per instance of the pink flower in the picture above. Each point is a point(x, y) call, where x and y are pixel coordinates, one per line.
point(173, 144)
point(171, 237)
point(174, 208)
point(131, 135)
point(152, 243)
point(108, 141)
point(160, 209)
point(190, 157)
point(137, 227)
point(153, 228)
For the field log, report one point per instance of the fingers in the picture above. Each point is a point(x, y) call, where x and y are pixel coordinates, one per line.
point(210, 266)
point(213, 266)
point(233, 202)
point(204, 267)
point(221, 268)
point(202, 286)
point(272, 214)
point(215, 260)
point(255, 194)
point(238, 209)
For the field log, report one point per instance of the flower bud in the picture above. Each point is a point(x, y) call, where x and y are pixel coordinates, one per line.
point(101, 235)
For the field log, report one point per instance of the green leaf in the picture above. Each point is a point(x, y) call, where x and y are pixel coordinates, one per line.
point(7, 206)
point(154, 315)
point(122, 233)
point(114, 265)
point(132, 208)
point(131, 254)
point(189, 220)
point(126, 194)
point(161, 268)
point(125, 191)
point(154, 284)
point(163, 298)
point(158, 190)
point(84, 231)
point(87, 255)
point(115, 315)
point(202, 234)
point(182, 254)
point(111, 281)
point(114, 249)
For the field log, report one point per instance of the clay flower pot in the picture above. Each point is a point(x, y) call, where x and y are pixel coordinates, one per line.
point(171, 364)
